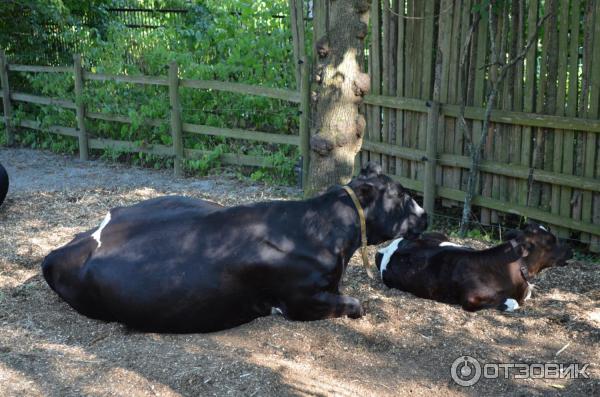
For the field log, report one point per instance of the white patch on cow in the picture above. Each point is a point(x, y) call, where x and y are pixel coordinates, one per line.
point(511, 305)
point(529, 290)
point(387, 254)
point(96, 235)
point(418, 209)
point(449, 244)
point(543, 228)
point(275, 311)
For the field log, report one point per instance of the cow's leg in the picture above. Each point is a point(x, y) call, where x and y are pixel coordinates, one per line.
point(477, 300)
point(323, 305)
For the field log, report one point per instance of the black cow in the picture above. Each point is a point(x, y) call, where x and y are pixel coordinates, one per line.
point(433, 268)
point(175, 264)
point(3, 184)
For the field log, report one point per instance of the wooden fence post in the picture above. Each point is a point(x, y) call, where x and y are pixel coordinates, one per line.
point(10, 134)
point(296, 40)
point(433, 115)
point(175, 117)
point(80, 108)
point(304, 119)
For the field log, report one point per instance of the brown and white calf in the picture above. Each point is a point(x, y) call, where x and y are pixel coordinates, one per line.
point(431, 267)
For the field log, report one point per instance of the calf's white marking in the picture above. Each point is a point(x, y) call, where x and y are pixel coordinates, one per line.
point(449, 244)
point(543, 228)
point(97, 233)
point(387, 254)
point(511, 305)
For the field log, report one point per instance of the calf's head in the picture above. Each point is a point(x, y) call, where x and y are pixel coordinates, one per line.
point(541, 248)
point(390, 211)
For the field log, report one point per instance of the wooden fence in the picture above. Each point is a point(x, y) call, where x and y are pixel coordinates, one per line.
point(178, 128)
point(542, 156)
point(541, 159)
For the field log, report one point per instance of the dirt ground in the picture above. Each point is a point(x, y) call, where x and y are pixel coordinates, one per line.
point(402, 346)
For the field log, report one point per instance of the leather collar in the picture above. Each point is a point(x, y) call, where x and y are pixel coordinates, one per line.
point(522, 265)
point(363, 229)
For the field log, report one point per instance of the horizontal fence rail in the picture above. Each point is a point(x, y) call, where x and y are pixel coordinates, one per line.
point(489, 166)
point(121, 78)
point(91, 142)
point(38, 69)
point(240, 88)
point(497, 116)
point(418, 154)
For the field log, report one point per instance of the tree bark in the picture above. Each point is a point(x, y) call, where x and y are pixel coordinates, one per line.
point(337, 127)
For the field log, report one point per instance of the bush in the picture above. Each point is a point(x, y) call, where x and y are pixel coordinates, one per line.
point(219, 40)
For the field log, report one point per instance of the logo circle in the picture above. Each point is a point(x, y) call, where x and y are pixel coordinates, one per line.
point(465, 371)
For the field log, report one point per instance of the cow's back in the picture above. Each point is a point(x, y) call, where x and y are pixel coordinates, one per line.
point(79, 270)
point(426, 268)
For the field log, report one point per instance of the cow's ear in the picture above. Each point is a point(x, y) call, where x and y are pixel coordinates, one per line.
point(366, 192)
point(370, 170)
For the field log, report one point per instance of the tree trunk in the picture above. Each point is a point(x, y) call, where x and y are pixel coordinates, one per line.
point(337, 127)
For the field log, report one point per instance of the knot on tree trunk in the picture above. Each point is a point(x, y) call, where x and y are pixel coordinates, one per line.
point(319, 76)
point(361, 85)
point(361, 30)
point(361, 6)
point(321, 145)
point(361, 124)
point(314, 97)
point(323, 47)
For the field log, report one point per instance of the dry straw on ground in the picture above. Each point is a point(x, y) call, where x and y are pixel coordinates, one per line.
point(403, 346)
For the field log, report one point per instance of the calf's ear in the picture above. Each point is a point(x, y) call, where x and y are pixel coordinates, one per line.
point(370, 170)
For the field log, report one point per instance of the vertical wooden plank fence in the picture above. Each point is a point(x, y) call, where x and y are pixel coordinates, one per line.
point(540, 160)
point(591, 204)
point(429, 193)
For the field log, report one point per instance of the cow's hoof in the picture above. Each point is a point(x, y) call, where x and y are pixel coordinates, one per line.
point(357, 311)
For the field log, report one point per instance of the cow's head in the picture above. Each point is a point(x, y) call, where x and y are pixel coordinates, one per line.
point(541, 249)
point(390, 211)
